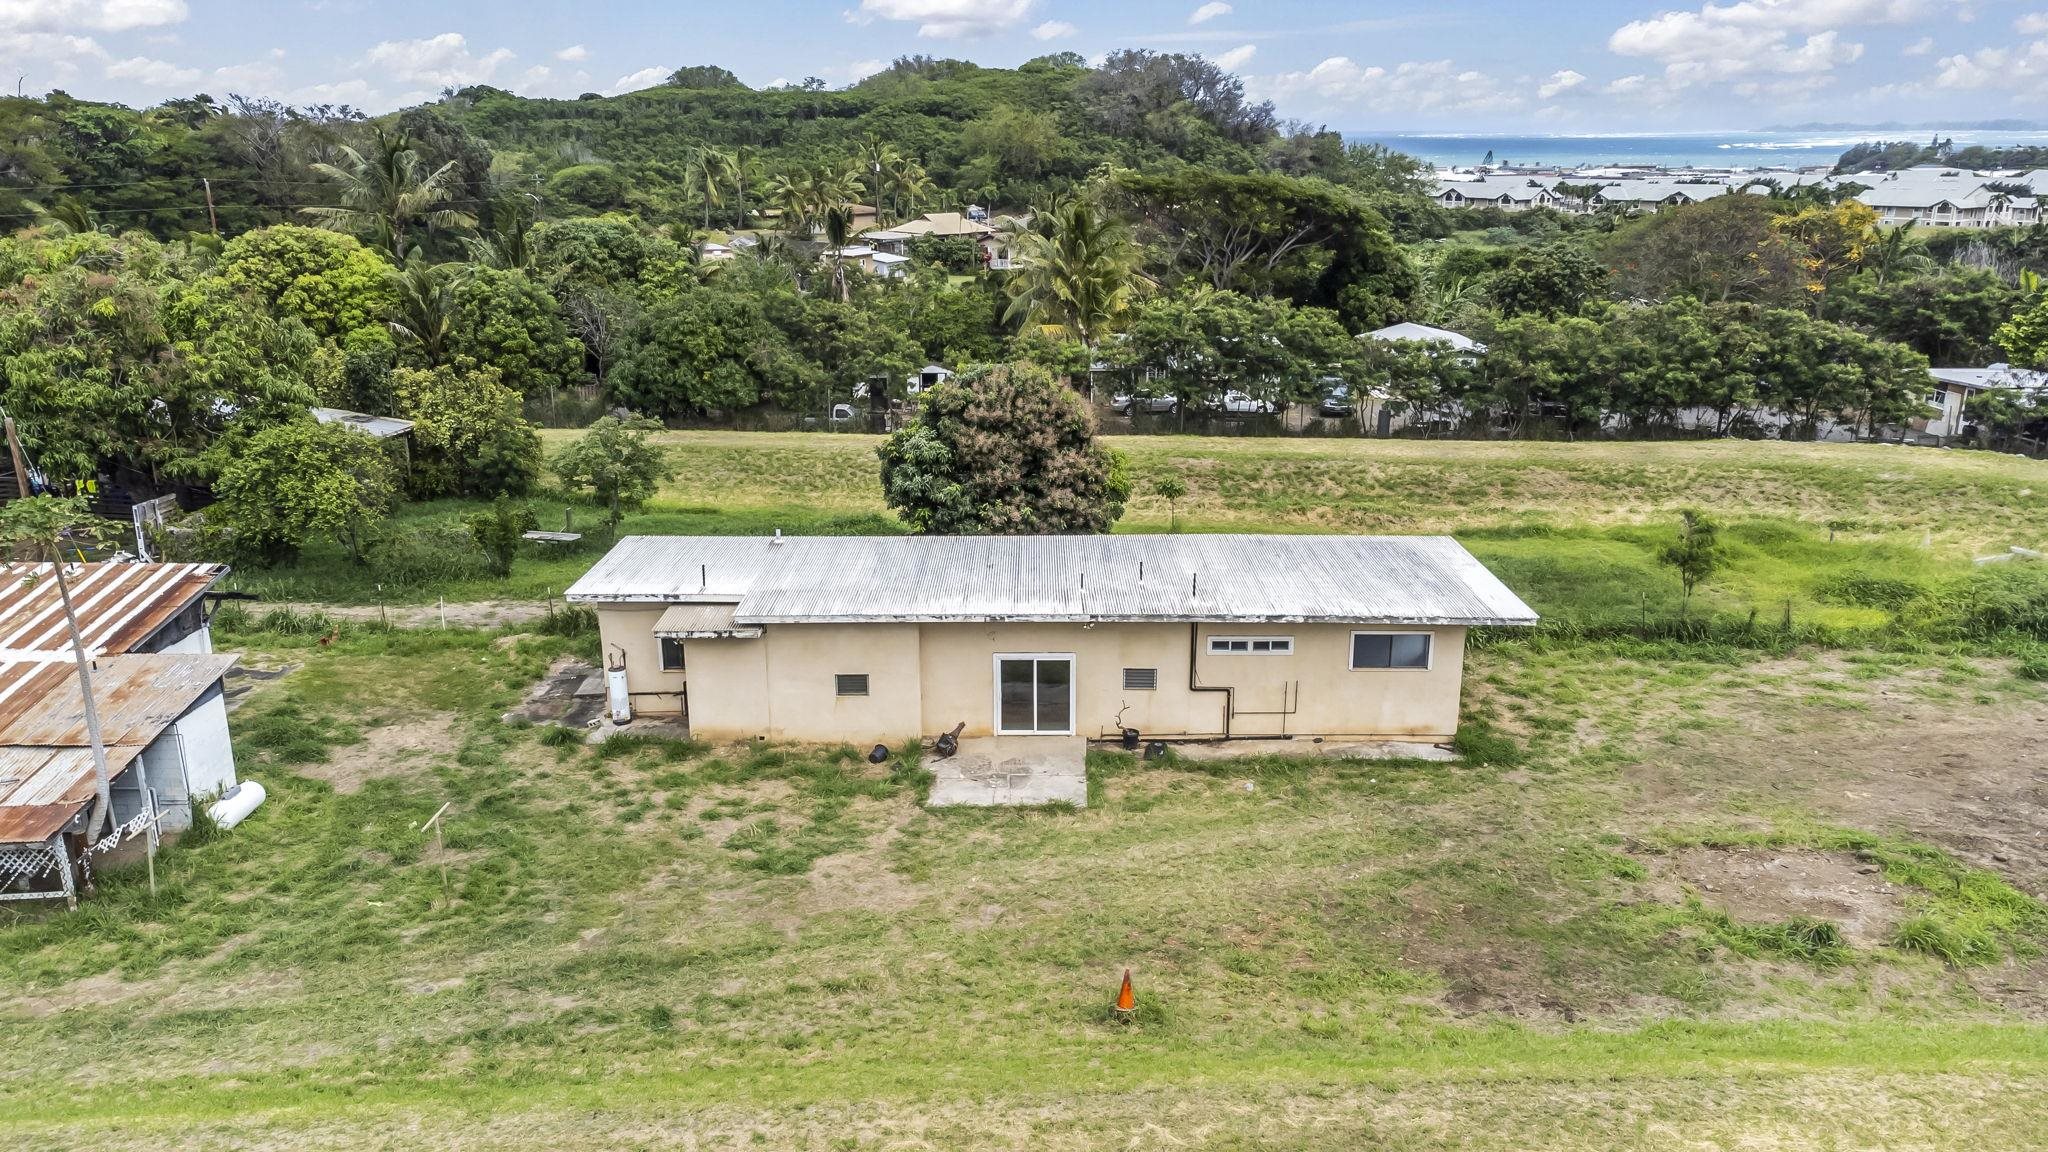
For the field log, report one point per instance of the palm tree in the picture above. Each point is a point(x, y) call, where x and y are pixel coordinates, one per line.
point(907, 183)
point(385, 194)
point(1895, 250)
point(1079, 275)
point(876, 157)
point(745, 166)
point(504, 244)
point(425, 309)
point(793, 194)
point(838, 221)
point(709, 170)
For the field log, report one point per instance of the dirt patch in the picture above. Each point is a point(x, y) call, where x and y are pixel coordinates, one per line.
point(863, 878)
point(1767, 885)
point(397, 749)
point(469, 614)
point(1970, 777)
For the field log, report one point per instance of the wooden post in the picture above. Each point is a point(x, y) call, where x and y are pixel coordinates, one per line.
point(211, 218)
point(434, 822)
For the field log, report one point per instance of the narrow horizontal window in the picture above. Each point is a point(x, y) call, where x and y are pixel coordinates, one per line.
point(1256, 645)
point(1141, 679)
point(851, 683)
point(1390, 649)
point(671, 655)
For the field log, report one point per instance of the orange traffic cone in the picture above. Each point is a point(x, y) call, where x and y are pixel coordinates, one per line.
point(1126, 1000)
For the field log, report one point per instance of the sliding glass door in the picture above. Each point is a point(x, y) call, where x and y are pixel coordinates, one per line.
point(1035, 694)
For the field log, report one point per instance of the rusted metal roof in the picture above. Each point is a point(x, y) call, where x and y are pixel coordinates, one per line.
point(138, 697)
point(42, 788)
point(702, 622)
point(46, 773)
point(118, 605)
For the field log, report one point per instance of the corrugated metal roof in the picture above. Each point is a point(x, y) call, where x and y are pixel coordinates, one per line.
point(702, 622)
point(42, 788)
point(1247, 579)
point(138, 697)
point(382, 427)
point(118, 605)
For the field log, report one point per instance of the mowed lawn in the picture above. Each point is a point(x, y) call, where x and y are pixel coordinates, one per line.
point(1678, 895)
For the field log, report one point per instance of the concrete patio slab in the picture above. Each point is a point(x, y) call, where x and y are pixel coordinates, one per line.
point(1012, 771)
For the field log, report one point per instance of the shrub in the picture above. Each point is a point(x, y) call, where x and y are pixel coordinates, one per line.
point(423, 557)
point(2033, 666)
point(1870, 590)
point(1993, 600)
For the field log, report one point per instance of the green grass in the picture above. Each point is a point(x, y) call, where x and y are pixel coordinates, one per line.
point(766, 945)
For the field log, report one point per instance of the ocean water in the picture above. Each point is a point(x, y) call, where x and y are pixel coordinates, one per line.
point(1669, 149)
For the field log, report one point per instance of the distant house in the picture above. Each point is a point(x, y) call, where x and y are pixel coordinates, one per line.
point(713, 253)
point(1045, 639)
point(857, 255)
point(888, 240)
point(1955, 387)
point(1651, 195)
point(1938, 197)
point(993, 253)
point(161, 702)
point(1508, 195)
point(889, 265)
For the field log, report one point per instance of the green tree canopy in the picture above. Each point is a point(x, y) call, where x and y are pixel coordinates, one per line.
point(298, 482)
point(327, 281)
point(504, 320)
point(616, 462)
point(468, 434)
point(1005, 450)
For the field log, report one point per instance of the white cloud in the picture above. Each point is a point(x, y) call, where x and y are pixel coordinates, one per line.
point(93, 15)
point(1920, 47)
point(1208, 12)
point(357, 91)
point(948, 19)
point(439, 61)
point(2032, 24)
point(1563, 80)
point(1237, 57)
point(1754, 40)
point(574, 54)
point(254, 77)
point(151, 73)
point(2020, 70)
point(1413, 87)
point(1053, 30)
point(635, 81)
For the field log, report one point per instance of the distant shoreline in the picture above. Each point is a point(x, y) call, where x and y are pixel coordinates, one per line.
point(1758, 148)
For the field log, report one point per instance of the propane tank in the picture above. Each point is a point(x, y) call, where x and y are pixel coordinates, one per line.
point(235, 804)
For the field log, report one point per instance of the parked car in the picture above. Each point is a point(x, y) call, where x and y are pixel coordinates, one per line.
point(842, 413)
point(1122, 404)
point(1336, 402)
point(1245, 404)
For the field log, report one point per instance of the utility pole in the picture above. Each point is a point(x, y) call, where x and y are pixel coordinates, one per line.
point(103, 801)
point(210, 217)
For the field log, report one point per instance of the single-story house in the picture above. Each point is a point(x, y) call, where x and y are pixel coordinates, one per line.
point(1955, 387)
point(159, 694)
point(889, 265)
point(876, 639)
point(887, 240)
point(714, 252)
point(994, 254)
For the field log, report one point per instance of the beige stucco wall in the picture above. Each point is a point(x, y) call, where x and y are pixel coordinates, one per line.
point(628, 629)
point(924, 679)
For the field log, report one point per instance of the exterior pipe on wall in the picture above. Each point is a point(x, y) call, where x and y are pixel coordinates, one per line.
point(1195, 680)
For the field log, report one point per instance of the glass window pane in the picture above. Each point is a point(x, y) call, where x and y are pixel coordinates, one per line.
point(1015, 694)
point(1410, 651)
point(671, 654)
point(1055, 704)
point(1369, 650)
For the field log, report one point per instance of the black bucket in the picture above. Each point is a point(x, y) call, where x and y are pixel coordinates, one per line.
point(1130, 739)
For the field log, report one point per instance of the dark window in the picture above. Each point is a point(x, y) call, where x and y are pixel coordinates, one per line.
point(1141, 679)
point(671, 655)
point(1390, 649)
point(851, 683)
point(1262, 645)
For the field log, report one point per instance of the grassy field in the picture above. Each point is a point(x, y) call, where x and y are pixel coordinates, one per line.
point(1575, 527)
point(1680, 894)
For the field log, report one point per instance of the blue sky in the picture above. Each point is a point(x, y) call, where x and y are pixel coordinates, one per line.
point(1601, 65)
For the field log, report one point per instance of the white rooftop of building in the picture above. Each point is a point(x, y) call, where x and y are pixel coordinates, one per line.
point(1083, 579)
point(1424, 333)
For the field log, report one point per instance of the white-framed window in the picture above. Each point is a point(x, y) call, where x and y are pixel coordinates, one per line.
point(1410, 651)
point(1034, 693)
point(850, 684)
point(1251, 645)
point(1141, 679)
point(671, 654)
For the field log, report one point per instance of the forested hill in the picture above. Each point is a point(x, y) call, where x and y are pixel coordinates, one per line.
point(1005, 137)
point(1891, 155)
